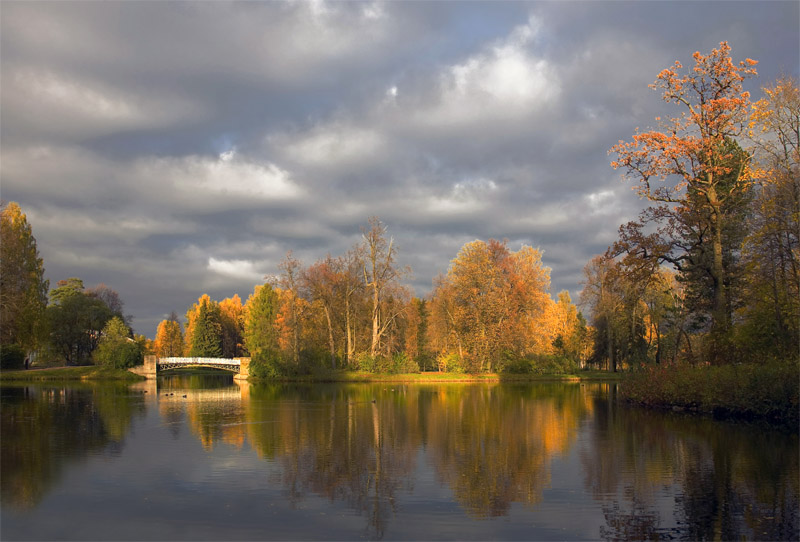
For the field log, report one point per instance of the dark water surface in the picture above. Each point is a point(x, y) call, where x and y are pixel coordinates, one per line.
point(202, 457)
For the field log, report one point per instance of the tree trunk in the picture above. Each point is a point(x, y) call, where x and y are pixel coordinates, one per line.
point(719, 313)
point(612, 360)
point(373, 351)
point(348, 332)
point(330, 337)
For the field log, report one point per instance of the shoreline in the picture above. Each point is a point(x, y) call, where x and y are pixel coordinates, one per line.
point(93, 372)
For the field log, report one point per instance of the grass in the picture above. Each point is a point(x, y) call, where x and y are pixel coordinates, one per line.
point(434, 377)
point(749, 391)
point(87, 372)
point(94, 372)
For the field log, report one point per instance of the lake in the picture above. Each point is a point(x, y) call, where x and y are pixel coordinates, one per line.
point(201, 457)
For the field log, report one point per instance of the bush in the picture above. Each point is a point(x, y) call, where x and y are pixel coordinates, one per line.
point(549, 364)
point(450, 363)
point(12, 357)
point(402, 364)
point(119, 355)
point(518, 366)
point(116, 348)
point(267, 365)
point(366, 363)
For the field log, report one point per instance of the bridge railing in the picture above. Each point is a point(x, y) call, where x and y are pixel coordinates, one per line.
point(200, 361)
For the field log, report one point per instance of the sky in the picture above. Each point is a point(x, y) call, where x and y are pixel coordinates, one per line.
point(171, 149)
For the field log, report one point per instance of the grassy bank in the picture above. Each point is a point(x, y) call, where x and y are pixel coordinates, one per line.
point(766, 392)
point(89, 372)
point(93, 372)
point(434, 377)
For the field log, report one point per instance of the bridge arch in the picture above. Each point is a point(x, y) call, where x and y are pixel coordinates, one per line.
point(153, 365)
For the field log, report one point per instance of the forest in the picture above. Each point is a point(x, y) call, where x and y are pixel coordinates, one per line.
point(708, 274)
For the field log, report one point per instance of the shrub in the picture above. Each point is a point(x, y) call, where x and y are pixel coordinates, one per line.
point(12, 357)
point(267, 364)
point(450, 363)
point(403, 364)
point(518, 366)
point(116, 348)
point(552, 364)
point(366, 363)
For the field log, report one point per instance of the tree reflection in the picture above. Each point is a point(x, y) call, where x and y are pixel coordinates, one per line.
point(44, 429)
point(729, 485)
point(493, 445)
point(339, 443)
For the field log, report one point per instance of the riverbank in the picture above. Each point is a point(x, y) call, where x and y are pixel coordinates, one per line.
point(87, 372)
point(746, 391)
point(92, 372)
point(437, 377)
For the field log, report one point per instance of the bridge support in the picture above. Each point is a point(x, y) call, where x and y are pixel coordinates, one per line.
point(244, 369)
point(149, 369)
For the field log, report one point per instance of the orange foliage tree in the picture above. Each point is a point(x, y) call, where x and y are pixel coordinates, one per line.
point(490, 302)
point(169, 338)
point(232, 320)
point(690, 168)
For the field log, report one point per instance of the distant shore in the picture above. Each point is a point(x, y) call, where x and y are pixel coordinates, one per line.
point(93, 372)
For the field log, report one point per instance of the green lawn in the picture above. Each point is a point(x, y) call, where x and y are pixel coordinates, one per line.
point(88, 372)
point(433, 377)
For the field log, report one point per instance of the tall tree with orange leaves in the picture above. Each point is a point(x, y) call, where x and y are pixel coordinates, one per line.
point(693, 167)
point(232, 320)
point(169, 338)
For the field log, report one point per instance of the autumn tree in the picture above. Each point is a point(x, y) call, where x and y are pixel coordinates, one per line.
point(416, 339)
point(570, 330)
point(603, 297)
point(772, 247)
point(489, 303)
point(23, 288)
point(291, 268)
point(232, 321)
point(381, 275)
point(692, 165)
point(169, 338)
point(322, 281)
point(351, 285)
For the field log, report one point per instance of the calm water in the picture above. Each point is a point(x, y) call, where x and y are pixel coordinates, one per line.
point(205, 458)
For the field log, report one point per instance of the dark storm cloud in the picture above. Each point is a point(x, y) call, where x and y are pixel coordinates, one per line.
point(177, 148)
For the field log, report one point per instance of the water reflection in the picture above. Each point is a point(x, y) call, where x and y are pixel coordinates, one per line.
point(46, 428)
point(372, 448)
point(725, 481)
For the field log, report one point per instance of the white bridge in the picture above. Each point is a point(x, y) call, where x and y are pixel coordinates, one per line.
point(226, 364)
point(153, 365)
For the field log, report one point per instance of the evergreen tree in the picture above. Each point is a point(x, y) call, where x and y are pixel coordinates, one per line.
point(261, 309)
point(206, 339)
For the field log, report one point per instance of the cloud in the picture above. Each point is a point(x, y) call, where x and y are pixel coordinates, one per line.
point(172, 149)
point(332, 145)
point(237, 269)
point(76, 108)
point(209, 180)
point(504, 82)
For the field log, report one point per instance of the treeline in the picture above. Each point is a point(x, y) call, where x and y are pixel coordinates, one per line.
point(70, 323)
point(710, 271)
point(492, 311)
